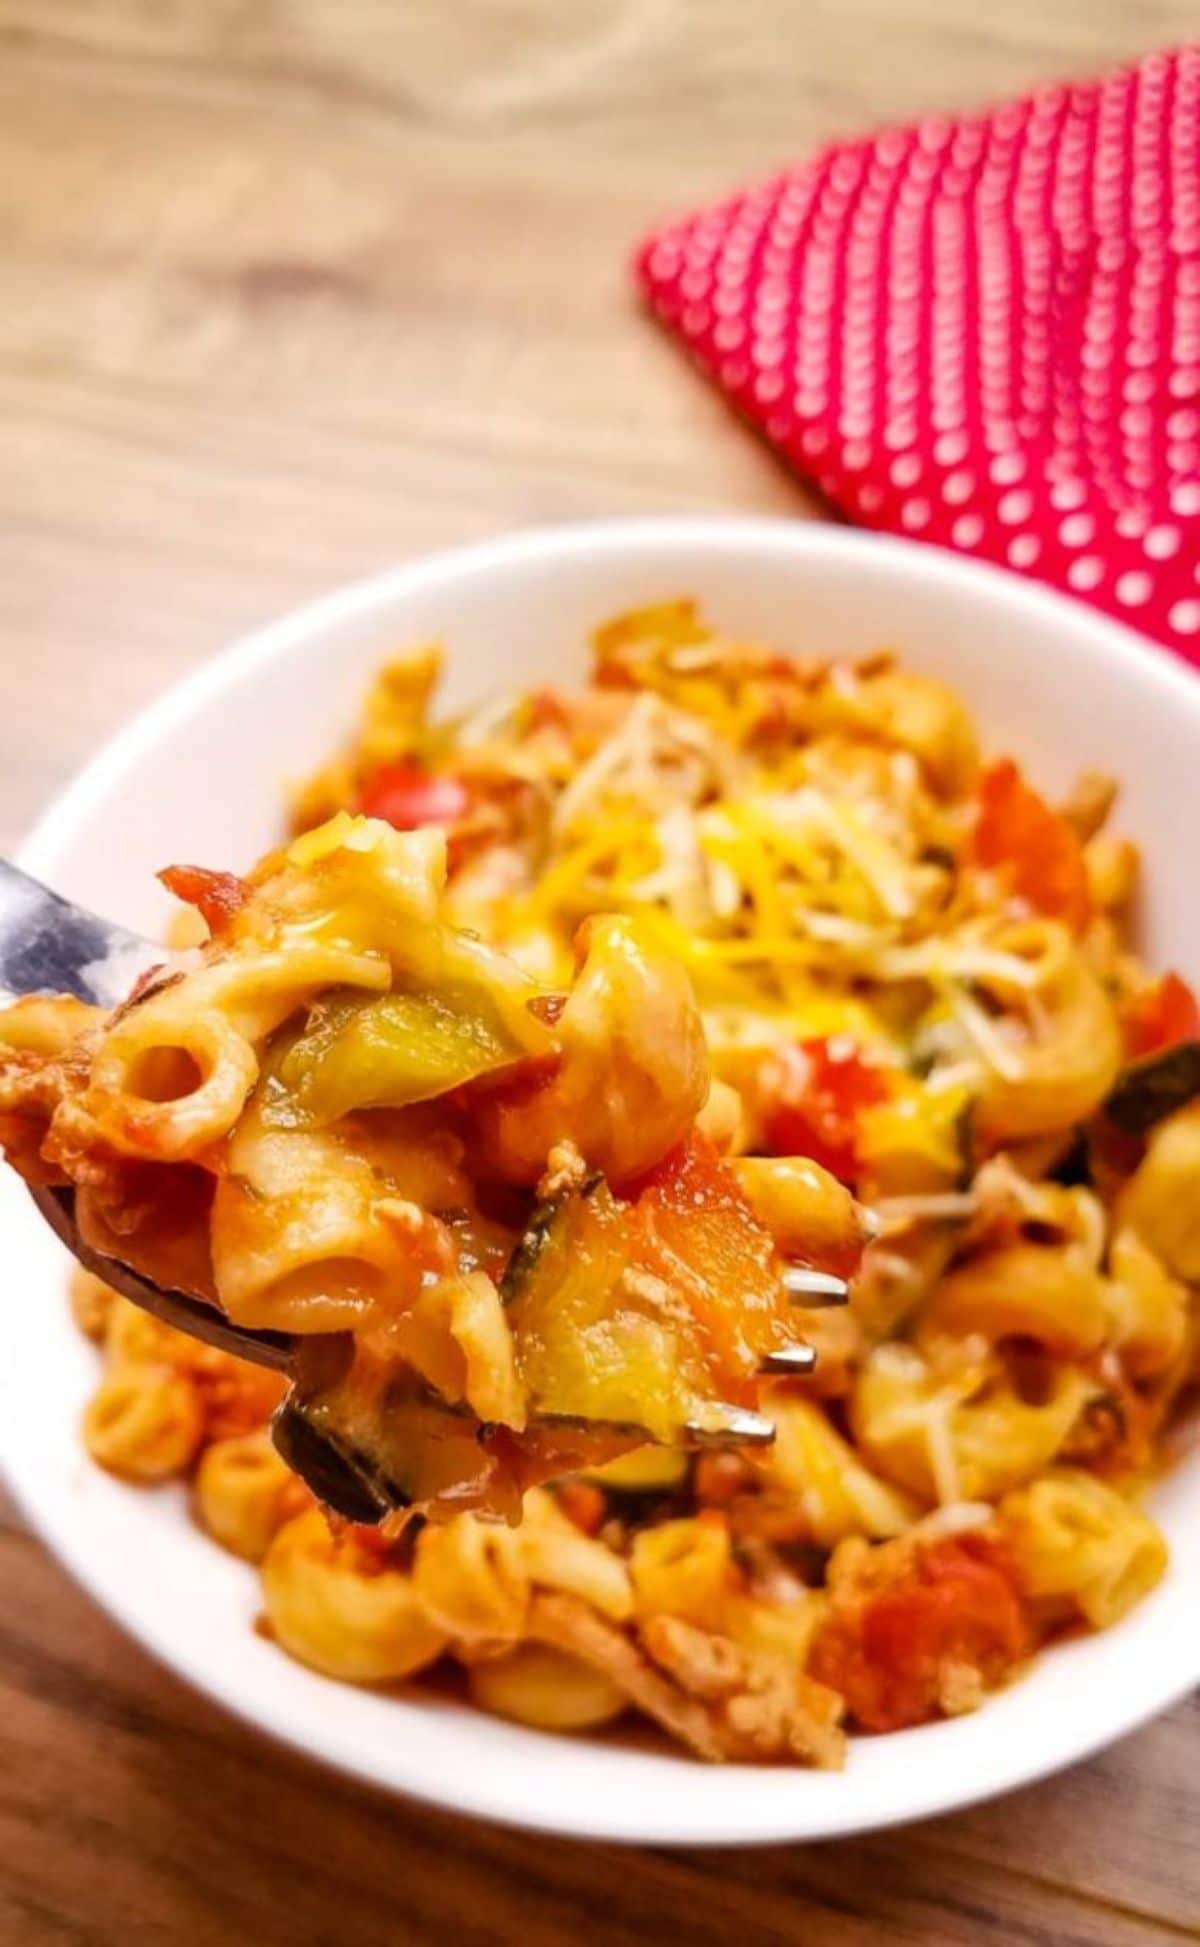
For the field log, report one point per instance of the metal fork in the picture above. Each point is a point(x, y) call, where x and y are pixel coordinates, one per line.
point(48, 945)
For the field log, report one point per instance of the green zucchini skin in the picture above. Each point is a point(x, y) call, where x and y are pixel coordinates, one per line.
point(551, 1224)
point(340, 1474)
point(539, 1232)
point(1149, 1091)
point(358, 1465)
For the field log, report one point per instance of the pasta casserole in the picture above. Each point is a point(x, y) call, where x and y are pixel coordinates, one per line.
point(515, 1081)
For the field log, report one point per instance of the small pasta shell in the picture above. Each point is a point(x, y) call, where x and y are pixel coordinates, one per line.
point(144, 1423)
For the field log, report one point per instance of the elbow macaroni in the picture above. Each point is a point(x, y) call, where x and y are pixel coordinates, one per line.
point(546, 1689)
point(962, 1433)
point(244, 1493)
point(144, 1423)
point(818, 1472)
point(344, 1615)
point(1076, 1541)
point(1160, 1202)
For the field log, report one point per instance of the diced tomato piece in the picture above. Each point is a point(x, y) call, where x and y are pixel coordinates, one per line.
point(1018, 833)
point(720, 1477)
point(952, 1605)
point(236, 1396)
point(407, 797)
point(1161, 1016)
point(692, 1226)
point(217, 896)
point(583, 1503)
point(369, 1549)
point(820, 1089)
point(547, 709)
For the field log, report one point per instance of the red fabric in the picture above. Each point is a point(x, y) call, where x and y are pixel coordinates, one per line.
point(982, 331)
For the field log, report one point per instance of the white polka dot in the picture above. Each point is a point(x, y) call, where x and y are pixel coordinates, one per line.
point(1065, 494)
point(1138, 387)
point(1076, 531)
point(1185, 499)
point(1133, 588)
point(1015, 506)
point(1006, 468)
point(1185, 617)
point(1161, 542)
point(898, 434)
point(870, 497)
point(1024, 550)
point(1136, 421)
point(957, 487)
point(949, 448)
point(915, 514)
point(906, 471)
point(1087, 572)
point(967, 531)
point(1131, 523)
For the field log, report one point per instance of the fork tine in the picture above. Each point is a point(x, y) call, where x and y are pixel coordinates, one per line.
point(790, 1361)
point(720, 1425)
point(814, 1288)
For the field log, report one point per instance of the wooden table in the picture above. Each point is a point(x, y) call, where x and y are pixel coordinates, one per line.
point(289, 292)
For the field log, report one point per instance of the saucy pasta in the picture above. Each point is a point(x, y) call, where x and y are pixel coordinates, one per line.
point(833, 956)
point(488, 1211)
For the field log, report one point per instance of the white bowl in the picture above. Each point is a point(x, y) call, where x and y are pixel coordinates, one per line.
point(198, 778)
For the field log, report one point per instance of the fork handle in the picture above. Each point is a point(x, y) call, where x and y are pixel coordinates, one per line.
point(177, 1308)
point(48, 945)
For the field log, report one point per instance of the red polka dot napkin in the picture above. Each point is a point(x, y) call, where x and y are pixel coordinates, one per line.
point(982, 331)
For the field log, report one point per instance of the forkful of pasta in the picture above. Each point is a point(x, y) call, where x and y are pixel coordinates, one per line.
point(486, 1230)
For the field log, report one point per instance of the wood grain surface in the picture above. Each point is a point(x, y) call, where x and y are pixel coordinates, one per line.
point(289, 290)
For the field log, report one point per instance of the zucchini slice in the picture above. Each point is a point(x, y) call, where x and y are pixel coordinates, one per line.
point(1149, 1091)
point(644, 1472)
point(386, 1051)
point(371, 1451)
point(601, 1335)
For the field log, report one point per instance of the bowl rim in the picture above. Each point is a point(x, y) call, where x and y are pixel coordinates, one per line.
point(936, 1788)
point(778, 534)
